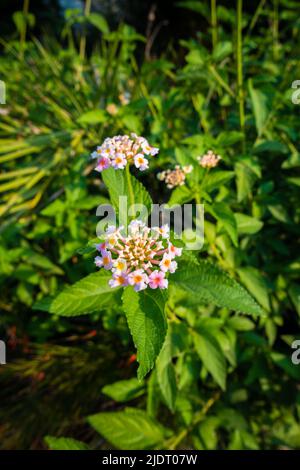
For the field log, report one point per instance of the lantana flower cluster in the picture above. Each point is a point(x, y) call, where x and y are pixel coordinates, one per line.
point(175, 177)
point(209, 160)
point(119, 150)
point(141, 258)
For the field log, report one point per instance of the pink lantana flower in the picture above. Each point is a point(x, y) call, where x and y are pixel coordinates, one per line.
point(209, 160)
point(157, 279)
point(164, 231)
point(138, 279)
point(102, 164)
point(119, 161)
point(118, 280)
point(167, 264)
point(141, 258)
point(119, 150)
point(141, 162)
point(105, 260)
point(174, 251)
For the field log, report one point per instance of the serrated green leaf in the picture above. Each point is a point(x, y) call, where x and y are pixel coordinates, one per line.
point(147, 323)
point(64, 443)
point(88, 295)
point(131, 429)
point(211, 285)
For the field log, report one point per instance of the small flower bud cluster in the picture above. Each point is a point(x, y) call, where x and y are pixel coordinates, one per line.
point(142, 258)
point(122, 149)
point(175, 177)
point(209, 160)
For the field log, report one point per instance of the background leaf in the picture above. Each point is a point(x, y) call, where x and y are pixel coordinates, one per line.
point(211, 355)
point(166, 372)
point(64, 443)
point(124, 390)
point(225, 217)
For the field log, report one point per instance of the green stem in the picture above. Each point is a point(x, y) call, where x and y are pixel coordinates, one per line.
point(198, 418)
point(220, 80)
point(275, 29)
point(82, 46)
point(214, 29)
point(24, 30)
point(239, 55)
point(129, 185)
point(256, 16)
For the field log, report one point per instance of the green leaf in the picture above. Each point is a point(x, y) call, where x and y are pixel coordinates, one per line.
point(99, 22)
point(245, 178)
point(211, 285)
point(279, 212)
point(21, 20)
point(131, 429)
point(294, 293)
point(256, 285)
point(208, 432)
point(216, 179)
point(124, 390)
point(211, 355)
point(260, 109)
point(132, 122)
point(180, 195)
point(225, 217)
point(285, 363)
point(194, 5)
point(247, 224)
point(295, 181)
point(292, 161)
point(229, 138)
point(241, 323)
point(222, 50)
point(166, 373)
point(64, 443)
point(118, 185)
point(96, 116)
point(88, 295)
point(147, 323)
